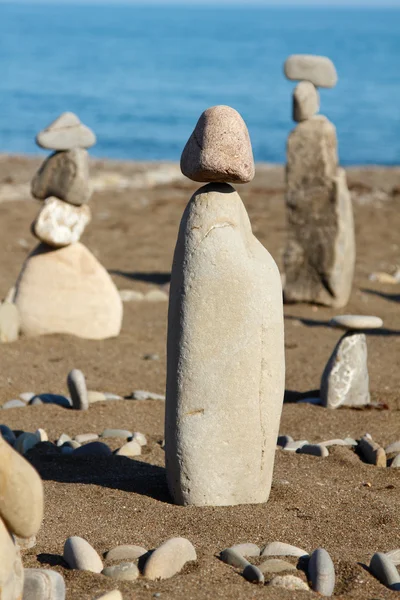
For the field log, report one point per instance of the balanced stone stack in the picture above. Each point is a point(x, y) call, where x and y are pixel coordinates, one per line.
point(225, 350)
point(62, 287)
point(320, 253)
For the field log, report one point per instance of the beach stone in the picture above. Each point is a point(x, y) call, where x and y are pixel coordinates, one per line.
point(139, 437)
point(11, 569)
point(111, 396)
point(395, 462)
point(65, 133)
point(27, 396)
point(64, 175)
point(131, 295)
point(314, 450)
point(117, 433)
point(76, 383)
point(43, 584)
point(144, 395)
point(64, 437)
point(356, 322)
point(169, 558)
point(234, 558)
point(82, 438)
point(79, 554)
point(394, 556)
point(10, 322)
point(283, 440)
point(125, 552)
point(25, 442)
point(15, 403)
point(394, 447)
point(225, 334)
point(73, 444)
point(67, 291)
point(282, 549)
point(41, 435)
point(294, 446)
point(156, 296)
point(305, 101)
point(123, 572)
point(60, 224)
point(50, 399)
point(92, 449)
point(335, 442)
point(276, 565)
point(96, 397)
point(25, 543)
point(8, 435)
point(132, 448)
point(18, 482)
point(319, 70)
point(113, 595)
point(320, 253)
point(253, 574)
point(219, 148)
point(350, 441)
point(247, 549)
point(345, 380)
point(384, 569)
point(321, 572)
point(372, 452)
point(289, 582)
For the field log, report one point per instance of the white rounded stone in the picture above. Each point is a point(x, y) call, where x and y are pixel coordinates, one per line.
point(356, 322)
point(130, 449)
point(79, 554)
point(282, 549)
point(169, 558)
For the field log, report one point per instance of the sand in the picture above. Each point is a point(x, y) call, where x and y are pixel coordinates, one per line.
point(350, 508)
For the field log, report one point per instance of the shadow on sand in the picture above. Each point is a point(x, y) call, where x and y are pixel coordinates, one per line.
point(157, 278)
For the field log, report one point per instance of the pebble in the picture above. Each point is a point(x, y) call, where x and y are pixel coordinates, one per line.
point(122, 572)
point(394, 447)
point(25, 442)
point(139, 437)
point(8, 434)
point(356, 322)
point(130, 449)
point(233, 558)
point(81, 438)
point(111, 396)
point(314, 450)
point(372, 452)
point(290, 582)
point(283, 440)
point(321, 572)
point(144, 395)
point(275, 565)
point(306, 102)
point(282, 549)
point(247, 549)
point(94, 396)
point(51, 399)
point(394, 556)
point(126, 552)
point(335, 442)
point(116, 433)
point(350, 441)
point(79, 554)
point(41, 435)
point(65, 133)
point(294, 446)
point(25, 543)
point(77, 388)
point(384, 569)
point(93, 449)
point(253, 574)
point(64, 437)
point(169, 558)
point(156, 296)
point(131, 295)
point(10, 322)
point(113, 595)
point(395, 462)
point(319, 70)
point(43, 584)
point(27, 396)
point(15, 403)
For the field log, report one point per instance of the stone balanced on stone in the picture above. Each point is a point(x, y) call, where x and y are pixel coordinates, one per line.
point(345, 380)
point(62, 287)
point(225, 350)
point(320, 253)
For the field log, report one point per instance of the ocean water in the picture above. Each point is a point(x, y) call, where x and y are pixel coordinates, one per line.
point(141, 76)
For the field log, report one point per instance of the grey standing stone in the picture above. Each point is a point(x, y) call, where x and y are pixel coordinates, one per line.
point(372, 452)
point(77, 388)
point(65, 133)
point(314, 450)
point(10, 322)
point(64, 175)
point(127, 571)
point(345, 380)
point(225, 333)
point(43, 584)
point(320, 252)
point(253, 574)
point(79, 554)
point(384, 569)
point(305, 101)
point(282, 549)
point(321, 572)
point(319, 70)
point(169, 558)
point(59, 224)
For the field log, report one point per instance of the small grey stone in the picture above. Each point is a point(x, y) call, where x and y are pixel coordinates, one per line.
point(8, 434)
point(356, 322)
point(276, 565)
point(110, 396)
point(289, 582)
point(319, 70)
point(394, 556)
point(283, 440)
point(395, 462)
point(10, 322)
point(282, 549)
point(64, 437)
point(314, 450)
point(371, 451)
point(294, 446)
point(253, 574)
point(233, 558)
point(14, 404)
point(25, 442)
point(43, 584)
point(51, 399)
point(97, 449)
point(77, 388)
point(384, 569)
point(116, 433)
point(79, 554)
point(144, 395)
point(123, 572)
point(247, 549)
point(321, 572)
point(394, 447)
point(94, 396)
point(81, 438)
point(126, 552)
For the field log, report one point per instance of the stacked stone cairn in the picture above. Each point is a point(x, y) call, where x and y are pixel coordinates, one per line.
point(225, 350)
point(345, 380)
point(320, 253)
point(62, 287)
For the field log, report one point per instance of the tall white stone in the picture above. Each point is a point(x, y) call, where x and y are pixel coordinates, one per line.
point(225, 371)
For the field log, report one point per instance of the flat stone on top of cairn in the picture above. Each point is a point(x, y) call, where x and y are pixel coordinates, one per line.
point(225, 334)
point(219, 148)
point(319, 70)
point(65, 133)
point(305, 101)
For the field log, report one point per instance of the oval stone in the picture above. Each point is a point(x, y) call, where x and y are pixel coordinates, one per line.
point(79, 554)
point(126, 552)
point(65, 133)
point(116, 433)
point(314, 450)
point(356, 322)
point(233, 558)
point(282, 549)
point(289, 582)
point(123, 572)
point(43, 584)
point(384, 569)
point(130, 449)
point(97, 449)
point(77, 388)
point(247, 549)
point(319, 70)
point(321, 572)
point(253, 574)
point(169, 558)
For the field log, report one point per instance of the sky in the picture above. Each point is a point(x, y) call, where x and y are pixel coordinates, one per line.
point(316, 3)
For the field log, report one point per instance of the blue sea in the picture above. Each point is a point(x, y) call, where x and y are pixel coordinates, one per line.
point(141, 76)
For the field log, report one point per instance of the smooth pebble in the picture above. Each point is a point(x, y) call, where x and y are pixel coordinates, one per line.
point(144, 395)
point(43, 584)
point(384, 569)
point(294, 446)
point(247, 549)
point(314, 450)
point(289, 582)
point(139, 437)
point(253, 574)
point(79, 554)
point(123, 572)
point(321, 572)
point(356, 322)
point(233, 558)
point(282, 549)
point(125, 552)
point(116, 433)
point(276, 565)
point(132, 448)
point(169, 558)
point(77, 388)
point(15, 403)
point(81, 438)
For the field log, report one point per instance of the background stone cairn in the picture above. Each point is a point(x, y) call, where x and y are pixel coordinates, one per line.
point(225, 351)
point(62, 287)
point(320, 253)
